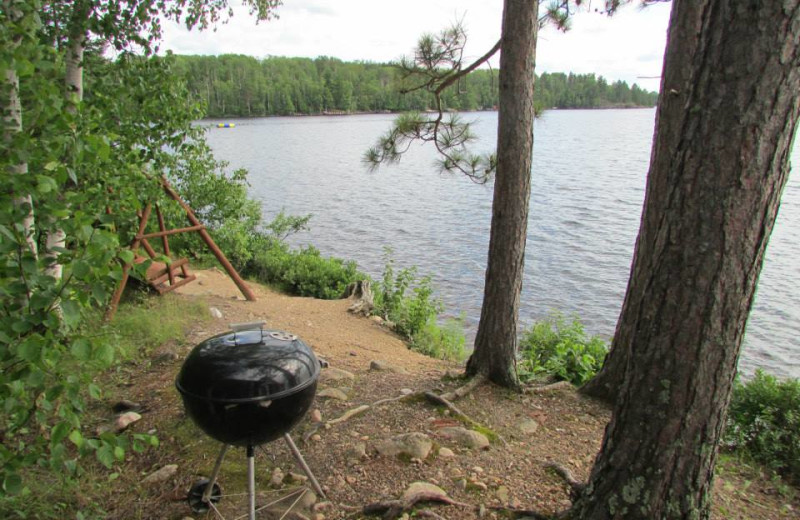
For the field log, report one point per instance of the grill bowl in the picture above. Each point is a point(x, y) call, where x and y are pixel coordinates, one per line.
point(248, 388)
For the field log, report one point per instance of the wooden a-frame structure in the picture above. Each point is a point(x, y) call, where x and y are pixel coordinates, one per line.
point(168, 277)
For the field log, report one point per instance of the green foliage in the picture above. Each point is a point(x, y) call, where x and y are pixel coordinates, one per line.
point(303, 272)
point(764, 422)
point(235, 85)
point(441, 342)
point(407, 301)
point(560, 349)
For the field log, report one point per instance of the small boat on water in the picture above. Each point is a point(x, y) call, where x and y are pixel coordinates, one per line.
point(226, 125)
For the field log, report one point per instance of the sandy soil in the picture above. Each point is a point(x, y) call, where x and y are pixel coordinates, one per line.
point(563, 427)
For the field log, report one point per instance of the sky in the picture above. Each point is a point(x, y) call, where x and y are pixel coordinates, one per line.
point(626, 47)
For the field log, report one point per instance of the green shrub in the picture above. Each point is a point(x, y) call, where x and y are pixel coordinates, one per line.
point(409, 313)
point(441, 342)
point(302, 272)
point(560, 349)
point(764, 422)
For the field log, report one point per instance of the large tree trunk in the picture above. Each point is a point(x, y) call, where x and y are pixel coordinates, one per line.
point(729, 106)
point(496, 341)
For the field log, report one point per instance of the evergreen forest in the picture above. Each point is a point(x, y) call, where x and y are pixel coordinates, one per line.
point(237, 85)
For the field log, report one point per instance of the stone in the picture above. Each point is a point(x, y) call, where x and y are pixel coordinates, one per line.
point(406, 391)
point(383, 366)
point(123, 421)
point(161, 475)
point(502, 494)
point(528, 426)
point(453, 374)
point(356, 452)
point(166, 357)
point(376, 319)
point(446, 453)
point(215, 313)
point(308, 500)
point(297, 478)
point(467, 438)
point(350, 479)
point(430, 491)
point(333, 393)
point(335, 374)
point(316, 415)
point(414, 444)
point(316, 437)
point(276, 480)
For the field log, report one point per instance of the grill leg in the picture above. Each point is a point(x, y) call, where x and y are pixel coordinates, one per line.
point(251, 483)
point(300, 460)
point(215, 473)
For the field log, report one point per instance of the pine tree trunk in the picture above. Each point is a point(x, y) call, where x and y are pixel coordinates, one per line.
point(12, 126)
point(496, 342)
point(730, 101)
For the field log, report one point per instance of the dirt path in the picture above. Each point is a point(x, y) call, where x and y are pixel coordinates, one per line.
point(528, 431)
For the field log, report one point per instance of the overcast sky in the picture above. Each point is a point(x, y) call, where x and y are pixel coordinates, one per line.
point(626, 46)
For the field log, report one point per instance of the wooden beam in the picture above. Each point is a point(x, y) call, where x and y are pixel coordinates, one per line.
point(246, 291)
point(112, 308)
point(164, 234)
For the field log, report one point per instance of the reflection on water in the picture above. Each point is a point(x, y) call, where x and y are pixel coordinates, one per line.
point(589, 173)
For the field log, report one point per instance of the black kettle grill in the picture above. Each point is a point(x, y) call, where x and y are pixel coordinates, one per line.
point(245, 388)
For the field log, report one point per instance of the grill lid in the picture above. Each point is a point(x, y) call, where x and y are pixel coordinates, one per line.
point(248, 366)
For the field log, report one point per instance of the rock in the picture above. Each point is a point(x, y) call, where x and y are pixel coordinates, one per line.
point(356, 452)
point(502, 494)
point(446, 453)
point(308, 500)
point(276, 480)
point(429, 491)
point(126, 406)
point(414, 444)
point(406, 391)
point(477, 469)
point(318, 516)
point(316, 437)
point(482, 511)
point(123, 421)
point(480, 485)
point(333, 393)
point(467, 438)
point(216, 313)
point(316, 415)
point(335, 374)
point(528, 426)
point(453, 374)
point(376, 319)
point(161, 475)
point(462, 484)
point(297, 478)
point(322, 506)
point(383, 366)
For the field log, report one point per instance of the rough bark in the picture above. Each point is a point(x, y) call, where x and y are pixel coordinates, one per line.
point(12, 126)
point(496, 341)
point(730, 101)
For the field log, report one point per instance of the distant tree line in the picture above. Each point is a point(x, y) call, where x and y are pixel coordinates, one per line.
point(236, 85)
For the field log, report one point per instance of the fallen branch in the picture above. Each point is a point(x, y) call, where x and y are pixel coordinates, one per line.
point(391, 509)
point(349, 413)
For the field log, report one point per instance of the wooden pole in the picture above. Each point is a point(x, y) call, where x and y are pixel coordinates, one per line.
point(246, 291)
point(112, 308)
point(164, 242)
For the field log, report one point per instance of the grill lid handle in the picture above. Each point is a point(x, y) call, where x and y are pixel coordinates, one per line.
point(250, 325)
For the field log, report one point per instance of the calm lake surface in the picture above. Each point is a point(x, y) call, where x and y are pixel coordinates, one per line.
point(589, 172)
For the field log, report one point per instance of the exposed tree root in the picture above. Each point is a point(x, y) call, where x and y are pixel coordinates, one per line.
point(391, 509)
point(576, 487)
point(561, 385)
point(461, 391)
point(441, 400)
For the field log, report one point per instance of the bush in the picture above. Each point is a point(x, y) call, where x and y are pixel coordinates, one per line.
point(560, 349)
point(441, 342)
point(764, 422)
point(302, 272)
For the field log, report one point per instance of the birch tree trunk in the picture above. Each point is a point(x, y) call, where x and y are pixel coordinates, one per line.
point(12, 119)
point(726, 119)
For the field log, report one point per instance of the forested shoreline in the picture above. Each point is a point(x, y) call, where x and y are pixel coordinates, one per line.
point(244, 86)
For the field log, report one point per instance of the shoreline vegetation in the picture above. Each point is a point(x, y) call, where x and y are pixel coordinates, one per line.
point(243, 86)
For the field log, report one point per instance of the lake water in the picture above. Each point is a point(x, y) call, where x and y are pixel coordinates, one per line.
point(589, 172)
